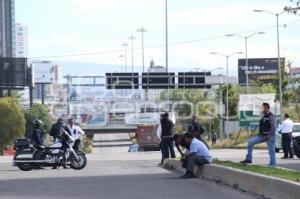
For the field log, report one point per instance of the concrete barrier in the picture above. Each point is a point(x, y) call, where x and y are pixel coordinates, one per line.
point(266, 186)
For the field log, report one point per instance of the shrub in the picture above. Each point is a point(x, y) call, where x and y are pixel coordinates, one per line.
point(37, 111)
point(12, 122)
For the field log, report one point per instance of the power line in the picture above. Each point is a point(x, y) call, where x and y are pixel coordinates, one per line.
point(159, 45)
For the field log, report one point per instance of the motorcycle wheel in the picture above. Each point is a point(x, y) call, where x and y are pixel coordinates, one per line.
point(80, 164)
point(25, 167)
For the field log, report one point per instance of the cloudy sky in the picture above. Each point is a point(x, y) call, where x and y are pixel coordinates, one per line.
point(64, 27)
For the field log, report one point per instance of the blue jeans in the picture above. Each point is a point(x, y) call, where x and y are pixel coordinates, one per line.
point(271, 147)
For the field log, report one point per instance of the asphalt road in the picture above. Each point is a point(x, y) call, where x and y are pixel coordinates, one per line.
point(127, 178)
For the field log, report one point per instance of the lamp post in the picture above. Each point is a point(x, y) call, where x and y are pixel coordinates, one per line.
point(278, 55)
point(132, 38)
point(121, 58)
point(142, 30)
point(167, 38)
point(227, 74)
point(125, 45)
point(246, 53)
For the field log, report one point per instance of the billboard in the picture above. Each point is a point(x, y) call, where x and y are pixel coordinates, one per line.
point(260, 70)
point(44, 72)
point(14, 72)
point(250, 108)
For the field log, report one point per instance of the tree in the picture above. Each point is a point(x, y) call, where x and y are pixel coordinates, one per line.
point(295, 8)
point(37, 111)
point(201, 104)
point(12, 122)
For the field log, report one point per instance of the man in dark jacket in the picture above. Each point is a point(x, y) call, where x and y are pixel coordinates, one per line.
point(266, 134)
point(58, 127)
point(165, 137)
point(195, 128)
point(37, 133)
point(55, 130)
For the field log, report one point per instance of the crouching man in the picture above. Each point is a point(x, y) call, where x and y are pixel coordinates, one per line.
point(198, 154)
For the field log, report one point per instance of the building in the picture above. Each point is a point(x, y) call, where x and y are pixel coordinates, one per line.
point(295, 72)
point(156, 69)
point(21, 41)
point(7, 27)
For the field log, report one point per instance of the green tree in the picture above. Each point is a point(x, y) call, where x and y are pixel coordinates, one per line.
point(12, 122)
point(37, 111)
point(200, 103)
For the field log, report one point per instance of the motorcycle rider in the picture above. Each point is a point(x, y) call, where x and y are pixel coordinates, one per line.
point(37, 133)
point(55, 132)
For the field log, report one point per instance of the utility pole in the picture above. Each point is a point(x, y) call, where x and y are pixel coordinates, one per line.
point(278, 55)
point(142, 30)
point(125, 45)
point(167, 39)
point(132, 38)
point(121, 58)
point(246, 53)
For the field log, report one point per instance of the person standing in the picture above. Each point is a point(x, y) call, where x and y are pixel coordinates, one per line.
point(213, 137)
point(55, 131)
point(195, 128)
point(266, 134)
point(286, 131)
point(77, 133)
point(165, 137)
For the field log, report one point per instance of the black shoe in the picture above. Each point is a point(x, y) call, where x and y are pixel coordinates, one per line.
point(246, 161)
point(291, 157)
point(65, 167)
point(188, 175)
point(284, 158)
point(55, 167)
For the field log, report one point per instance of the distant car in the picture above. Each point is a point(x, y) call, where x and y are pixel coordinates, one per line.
point(296, 132)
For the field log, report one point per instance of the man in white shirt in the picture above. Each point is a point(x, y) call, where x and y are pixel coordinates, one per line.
point(198, 154)
point(77, 133)
point(286, 131)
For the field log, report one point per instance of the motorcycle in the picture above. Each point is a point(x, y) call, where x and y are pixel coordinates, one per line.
point(296, 144)
point(60, 153)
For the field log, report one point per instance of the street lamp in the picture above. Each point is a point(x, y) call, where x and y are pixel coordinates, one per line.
point(278, 54)
point(167, 38)
point(132, 38)
point(125, 45)
point(227, 73)
point(246, 53)
point(121, 58)
point(142, 30)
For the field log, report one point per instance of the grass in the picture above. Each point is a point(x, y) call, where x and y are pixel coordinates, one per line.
point(285, 174)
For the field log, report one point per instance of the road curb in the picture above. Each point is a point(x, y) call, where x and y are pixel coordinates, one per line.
point(269, 187)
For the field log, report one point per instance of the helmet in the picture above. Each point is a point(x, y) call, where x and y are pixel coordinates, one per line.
point(37, 123)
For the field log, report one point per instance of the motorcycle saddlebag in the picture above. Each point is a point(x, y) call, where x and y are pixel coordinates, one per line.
point(22, 143)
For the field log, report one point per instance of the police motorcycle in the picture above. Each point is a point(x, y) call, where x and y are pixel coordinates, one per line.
point(60, 153)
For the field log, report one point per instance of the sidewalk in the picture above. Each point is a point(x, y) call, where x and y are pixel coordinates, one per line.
point(6, 159)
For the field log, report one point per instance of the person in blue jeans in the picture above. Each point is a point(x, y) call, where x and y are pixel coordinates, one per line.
point(266, 134)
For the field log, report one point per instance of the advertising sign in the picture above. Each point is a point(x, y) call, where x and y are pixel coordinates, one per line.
point(142, 118)
point(14, 72)
point(44, 72)
point(261, 70)
point(250, 108)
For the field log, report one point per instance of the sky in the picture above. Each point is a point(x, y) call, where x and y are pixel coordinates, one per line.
point(72, 27)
